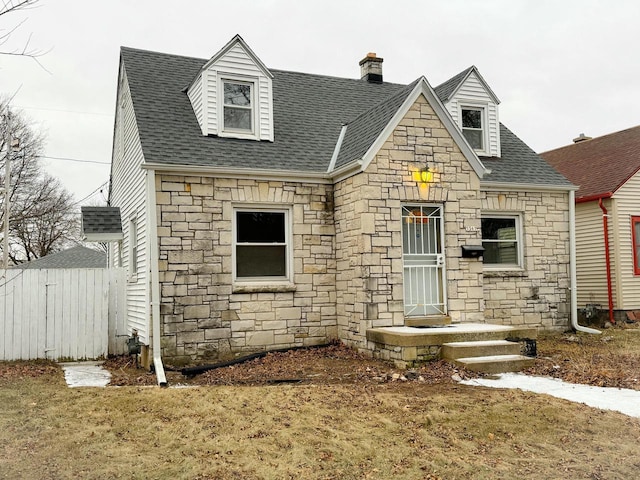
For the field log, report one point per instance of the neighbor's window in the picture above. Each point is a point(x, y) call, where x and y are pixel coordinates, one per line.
point(133, 248)
point(472, 128)
point(238, 106)
point(501, 242)
point(261, 244)
point(635, 236)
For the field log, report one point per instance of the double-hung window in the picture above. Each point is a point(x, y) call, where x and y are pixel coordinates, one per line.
point(261, 244)
point(238, 106)
point(635, 238)
point(473, 126)
point(501, 240)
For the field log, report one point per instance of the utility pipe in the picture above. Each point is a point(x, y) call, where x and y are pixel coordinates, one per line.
point(152, 242)
point(572, 267)
point(607, 257)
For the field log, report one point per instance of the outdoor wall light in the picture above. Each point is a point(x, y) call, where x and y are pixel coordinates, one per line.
point(424, 175)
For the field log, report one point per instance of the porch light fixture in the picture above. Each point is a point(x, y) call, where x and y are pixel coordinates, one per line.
point(424, 175)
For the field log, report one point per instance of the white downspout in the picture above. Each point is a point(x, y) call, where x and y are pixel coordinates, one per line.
point(152, 242)
point(572, 267)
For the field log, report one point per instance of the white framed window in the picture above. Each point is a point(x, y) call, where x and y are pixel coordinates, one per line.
point(502, 241)
point(238, 106)
point(262, 246)
point(133, 249)
point(473, 123)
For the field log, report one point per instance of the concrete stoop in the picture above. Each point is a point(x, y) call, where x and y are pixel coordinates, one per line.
point(478, 347)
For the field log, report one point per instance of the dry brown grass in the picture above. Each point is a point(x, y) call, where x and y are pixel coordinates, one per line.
point(357, 431)
point(611, 359)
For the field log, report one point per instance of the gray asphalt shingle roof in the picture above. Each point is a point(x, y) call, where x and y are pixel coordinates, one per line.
point(308, 114)
point(101, 220)
point(520, 164)
point(445, 89)
point(74, 257)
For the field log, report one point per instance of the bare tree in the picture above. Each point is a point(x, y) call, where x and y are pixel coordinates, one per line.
point(25, 50)
point(43, 217)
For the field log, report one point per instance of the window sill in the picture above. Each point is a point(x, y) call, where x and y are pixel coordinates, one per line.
point(263, 288)
point(515, 272)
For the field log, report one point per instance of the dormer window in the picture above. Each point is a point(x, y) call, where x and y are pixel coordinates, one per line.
point(473, 126)
point(232, 96)
point(238, 106)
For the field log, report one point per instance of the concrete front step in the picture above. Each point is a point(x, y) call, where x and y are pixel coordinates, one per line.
point(496, 363)
point(410, 346)
point(460, 332)
point(454, 350)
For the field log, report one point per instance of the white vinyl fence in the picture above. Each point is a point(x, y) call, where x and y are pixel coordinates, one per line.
point(61, 314)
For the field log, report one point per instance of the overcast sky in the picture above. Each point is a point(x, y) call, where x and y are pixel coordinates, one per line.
point(559, 67)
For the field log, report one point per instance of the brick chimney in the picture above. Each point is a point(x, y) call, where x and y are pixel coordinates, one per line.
point(581, 138)
point(371, 68)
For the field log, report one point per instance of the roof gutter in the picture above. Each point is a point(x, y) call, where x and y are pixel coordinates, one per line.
point(591, 198)
point(248, 173)
point(572, 268)
point(526, 187)
point(152, 242)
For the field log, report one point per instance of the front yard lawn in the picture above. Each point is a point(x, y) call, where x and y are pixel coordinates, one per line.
point(364, 427)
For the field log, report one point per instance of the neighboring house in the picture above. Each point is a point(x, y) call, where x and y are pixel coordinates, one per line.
point(607, 171)
point(265, 208)
point(74, 257)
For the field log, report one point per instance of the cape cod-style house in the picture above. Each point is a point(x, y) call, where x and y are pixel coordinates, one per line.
point(266, 208)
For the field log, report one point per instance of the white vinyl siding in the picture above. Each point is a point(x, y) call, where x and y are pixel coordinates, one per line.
point(128, 191)
point(236, 64)
point(195, 96)
point(473, 94)
point(591, 268)
point(627, 204)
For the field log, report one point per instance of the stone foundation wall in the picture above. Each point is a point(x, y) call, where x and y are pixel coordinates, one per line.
point(538, 294)
point(204, 315)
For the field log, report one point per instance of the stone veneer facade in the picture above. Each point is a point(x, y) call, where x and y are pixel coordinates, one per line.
point(368, 218)
point(539, 294)
point(204, 315)
point(347, 250)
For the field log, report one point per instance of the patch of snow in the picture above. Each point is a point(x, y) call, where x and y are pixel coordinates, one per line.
point(457, 328)
point(617, 399)
point(85, 374)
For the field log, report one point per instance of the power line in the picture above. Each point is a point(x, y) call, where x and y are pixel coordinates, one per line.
point(91, 194)
point(68, 159)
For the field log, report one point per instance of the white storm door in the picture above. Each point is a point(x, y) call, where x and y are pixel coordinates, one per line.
point(423, 260)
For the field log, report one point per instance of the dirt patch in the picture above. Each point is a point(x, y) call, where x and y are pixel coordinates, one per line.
point(331, 365)
point(27, 369)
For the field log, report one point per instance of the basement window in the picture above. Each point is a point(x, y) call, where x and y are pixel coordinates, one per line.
point(635, 237)
point(262, 246)
point(501, 240)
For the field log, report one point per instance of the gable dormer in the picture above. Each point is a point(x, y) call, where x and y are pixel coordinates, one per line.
point(474, 108)
point(232, 96)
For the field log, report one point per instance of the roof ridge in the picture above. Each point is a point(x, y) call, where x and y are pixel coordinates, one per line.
point(143, 50)
point(590, 140)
